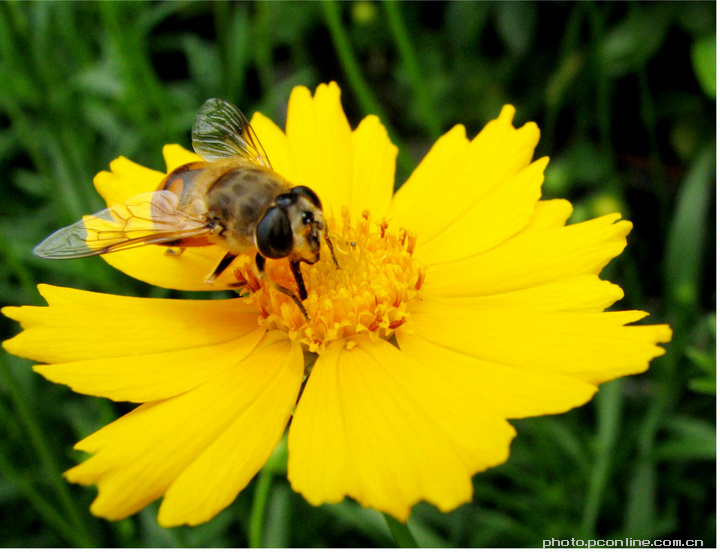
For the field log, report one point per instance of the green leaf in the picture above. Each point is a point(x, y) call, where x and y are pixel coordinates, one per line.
point(464, 21)
point(705, 386)
point(516, 24)
point(204, 63)
point(641, 512)
point(703, 61)
point(691, 439)
point(705, 360)
point(400, 532)
point(684, 261)
point(635, 39)
point(237, 48)
point(349, 514)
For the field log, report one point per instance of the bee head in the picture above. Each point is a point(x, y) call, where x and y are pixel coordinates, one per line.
point(291, 226)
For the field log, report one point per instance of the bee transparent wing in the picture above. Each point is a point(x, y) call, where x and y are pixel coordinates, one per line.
point(149, 218)
point(221, 131)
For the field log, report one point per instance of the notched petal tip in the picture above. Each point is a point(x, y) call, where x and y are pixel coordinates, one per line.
point(329, 90)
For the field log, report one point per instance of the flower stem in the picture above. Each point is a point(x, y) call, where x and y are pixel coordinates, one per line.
point(276, 464)
point(400, 533)
point(260, 500)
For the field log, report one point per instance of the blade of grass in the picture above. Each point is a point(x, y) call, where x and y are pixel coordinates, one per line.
point(603, 96)
point(400, 533)
point(419, 84)
point(262, 46)
point(683, 262)
point(359, 87)
point(40, 444)
point(649, 119)
point(564, 76)
point(235, 34)
point(349, 515)
point(146, 98)
point(45, 509)
point(609, 406)
point(15, 266)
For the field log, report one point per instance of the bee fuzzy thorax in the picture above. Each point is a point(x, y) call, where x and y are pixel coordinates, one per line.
point(367, 293)
point(238, 200)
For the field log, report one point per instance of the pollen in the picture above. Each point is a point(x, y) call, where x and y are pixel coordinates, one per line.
point(367, 293)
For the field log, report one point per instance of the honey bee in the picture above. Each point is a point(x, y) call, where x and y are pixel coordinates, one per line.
point(233, 199)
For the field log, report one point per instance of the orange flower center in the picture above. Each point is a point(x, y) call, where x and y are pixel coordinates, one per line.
point(367, 294)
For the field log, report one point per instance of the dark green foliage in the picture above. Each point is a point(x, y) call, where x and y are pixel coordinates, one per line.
point(624, 94)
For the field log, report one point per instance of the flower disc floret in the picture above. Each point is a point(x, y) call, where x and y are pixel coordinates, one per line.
point(367, 293)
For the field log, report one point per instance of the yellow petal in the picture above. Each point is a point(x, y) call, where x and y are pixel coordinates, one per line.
point(186, 271)
point(550, 213)
point(213, 480)
point(138, 457)
point(504, 211)
point(583, 293)
point(532, 258)
point(142, 378)
point(80, 325)
point(454, 177)
point(373, 168)
point(175, 156)
point(594, 347)
point(416, 203)
point(321, 144)
point(509, 391)
point(126, 179)
point(377, 426)
point(276, 146)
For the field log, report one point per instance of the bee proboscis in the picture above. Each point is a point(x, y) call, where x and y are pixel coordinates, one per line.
point(232, 198)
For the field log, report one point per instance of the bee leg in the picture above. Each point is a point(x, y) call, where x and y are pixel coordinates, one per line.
point(330, 247)
point(294, 265)
point(220, 268)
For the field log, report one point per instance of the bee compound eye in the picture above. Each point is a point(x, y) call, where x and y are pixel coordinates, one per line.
point(273, 234)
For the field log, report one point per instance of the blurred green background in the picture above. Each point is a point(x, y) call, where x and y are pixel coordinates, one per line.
point(624, 94)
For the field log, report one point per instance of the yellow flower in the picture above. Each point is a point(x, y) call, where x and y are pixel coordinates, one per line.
point(461, 301)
